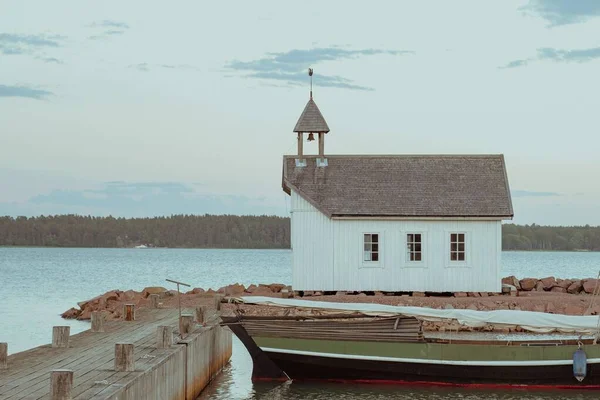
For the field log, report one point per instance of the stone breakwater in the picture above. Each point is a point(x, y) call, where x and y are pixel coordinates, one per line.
point(550, 295)
point(111, 302)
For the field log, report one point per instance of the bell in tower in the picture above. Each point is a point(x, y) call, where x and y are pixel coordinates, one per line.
point(311, 121)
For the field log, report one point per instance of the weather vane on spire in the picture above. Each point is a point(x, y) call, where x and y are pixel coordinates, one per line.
point(310, 73)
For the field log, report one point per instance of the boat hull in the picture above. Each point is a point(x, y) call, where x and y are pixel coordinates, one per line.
point(467, 364)
point(315, 367)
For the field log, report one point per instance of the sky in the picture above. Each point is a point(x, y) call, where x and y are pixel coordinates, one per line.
point(145, 108)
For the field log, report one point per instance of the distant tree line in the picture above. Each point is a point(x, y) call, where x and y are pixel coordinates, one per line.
point(189, 231)
point(231, 231)
point(537, 237)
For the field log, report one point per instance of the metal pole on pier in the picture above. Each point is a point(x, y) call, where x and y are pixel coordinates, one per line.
point(179, 301)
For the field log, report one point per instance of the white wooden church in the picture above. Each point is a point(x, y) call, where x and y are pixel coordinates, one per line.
point(429, 223)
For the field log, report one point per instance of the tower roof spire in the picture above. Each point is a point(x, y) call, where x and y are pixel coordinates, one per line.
point(311, 120)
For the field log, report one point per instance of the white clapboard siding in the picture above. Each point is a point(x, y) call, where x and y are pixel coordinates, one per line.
point(327, 254)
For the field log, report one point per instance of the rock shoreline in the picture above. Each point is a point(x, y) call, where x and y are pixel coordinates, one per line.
point(550, 295)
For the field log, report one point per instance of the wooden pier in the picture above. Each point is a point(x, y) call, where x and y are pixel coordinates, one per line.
point(123, 360)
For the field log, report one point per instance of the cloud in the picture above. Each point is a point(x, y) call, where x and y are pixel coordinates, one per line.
point(563, 12)
point(529, 193)
point(140, 199)
point(110, 28)
point(515, 64)
point(53, 60)
point(108, 23)
point(559, 55)
point(24, 91)
point(145, 67)
point(15, 44)
point(290, 67)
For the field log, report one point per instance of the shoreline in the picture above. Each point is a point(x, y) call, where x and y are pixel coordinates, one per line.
point(255, 248)
point(546, 295)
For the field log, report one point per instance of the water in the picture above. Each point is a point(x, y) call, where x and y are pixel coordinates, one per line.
point(37, 284)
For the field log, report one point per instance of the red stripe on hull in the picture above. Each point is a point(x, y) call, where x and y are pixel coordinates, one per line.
point(440, 384)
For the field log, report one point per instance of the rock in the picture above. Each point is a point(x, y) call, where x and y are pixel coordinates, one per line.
point(308, 293)
point(286, 293)
point(575, 287)
point(153, 290)
point(460, 294)
point(473, 294)
point(110, 296)
point(196, 291)
point(512, 280)
point(548, 282)
point(550, 308)
point(233, 290)
point(564, 283)
point(472, 307)
point(361, 294)
point(527, 284)
point(129, 295)
point(539, 286)
point(276, 287)
point(262, 291)
point(378, 293)
point(251, 288)
point(418, 294)
point(318, 293)
point(71, 313)
point(340, 293)
point(558, 289)
point(483, 294)
point(83, 304)
point(171, 293)
point(589, 285)
point(448, 307)
point(85, 314)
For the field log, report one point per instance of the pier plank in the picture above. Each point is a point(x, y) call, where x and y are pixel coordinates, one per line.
point(77, 356)
point(91, 357)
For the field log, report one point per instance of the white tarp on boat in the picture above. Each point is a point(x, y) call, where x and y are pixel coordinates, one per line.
point(528, 320)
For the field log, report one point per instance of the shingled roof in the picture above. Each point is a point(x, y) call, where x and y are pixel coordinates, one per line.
point(311, 120)
point(403, 186)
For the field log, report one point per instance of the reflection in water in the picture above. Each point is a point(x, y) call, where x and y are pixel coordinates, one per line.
point(234, 383)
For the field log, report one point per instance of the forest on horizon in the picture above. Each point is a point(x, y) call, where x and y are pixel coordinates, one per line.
point(232, 231)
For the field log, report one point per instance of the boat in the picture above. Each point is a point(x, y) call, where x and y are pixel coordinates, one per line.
point(377, 343)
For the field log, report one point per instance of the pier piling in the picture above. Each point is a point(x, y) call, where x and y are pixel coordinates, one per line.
point(60, 336)
point(97, 321)
point(61, 384)
point(124, 361)
point(218, 299)
point(164, 337)
point(154, 300)
point(187, 324)
point(129, 312)
point(200, 314)
point(3, 355)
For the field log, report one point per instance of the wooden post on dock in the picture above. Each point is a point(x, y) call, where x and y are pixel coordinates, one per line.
point(129, 312)
point(124, 361)
point(61, 384)
point(97, 321)
point(60, 336)
point(218, 299)
point(3, 355)
point(164, 337)
point(153, 300)
point(187, 324)
point(200, 314)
